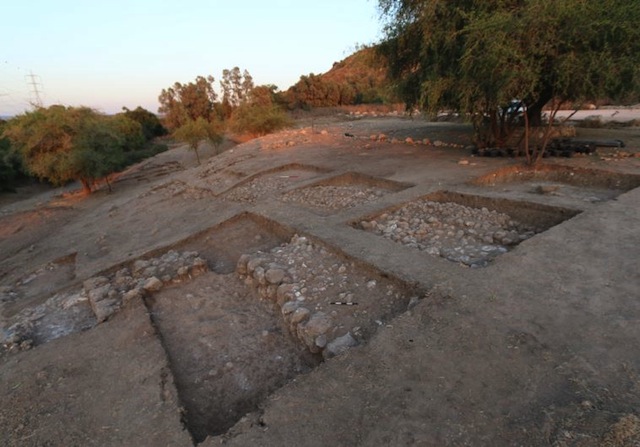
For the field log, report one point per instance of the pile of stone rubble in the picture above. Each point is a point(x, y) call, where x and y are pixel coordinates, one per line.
point(471, 236)
point(327, 303)
point(333, 197)
point(100, 297)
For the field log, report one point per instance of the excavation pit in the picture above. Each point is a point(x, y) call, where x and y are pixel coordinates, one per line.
point(343, 191)
point(227, 350)
point(272, 181)
point(466, 229)
point(234, 337)
point(577, 185)
point(223, 244)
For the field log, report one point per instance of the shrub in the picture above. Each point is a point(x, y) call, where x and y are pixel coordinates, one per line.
point(259, 119)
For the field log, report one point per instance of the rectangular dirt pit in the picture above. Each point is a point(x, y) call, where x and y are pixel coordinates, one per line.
point(343, 191)
point(579, 177)
point(223, 244)
point(290, 301)
point(468, 229)
point(272, 181)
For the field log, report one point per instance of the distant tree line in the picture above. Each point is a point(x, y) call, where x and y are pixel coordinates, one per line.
point(60, 144)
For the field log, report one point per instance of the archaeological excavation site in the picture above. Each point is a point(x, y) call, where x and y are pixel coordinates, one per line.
point(323, 286)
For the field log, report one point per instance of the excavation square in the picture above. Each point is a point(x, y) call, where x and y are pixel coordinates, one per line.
point(271, 181)
point(467, 229)
point(578, 185)
point(222, 244)
point(343, 191)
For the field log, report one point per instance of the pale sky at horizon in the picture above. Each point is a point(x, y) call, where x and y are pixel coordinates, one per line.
point(107, 55)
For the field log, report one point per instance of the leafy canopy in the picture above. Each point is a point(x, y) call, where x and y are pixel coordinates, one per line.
point(259, 114)
point(194, 131)
point(61, 144)
point(183, 102)
point(477, 55)
point(151, 125)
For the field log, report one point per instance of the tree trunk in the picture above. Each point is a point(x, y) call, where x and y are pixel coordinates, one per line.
point(86, 186)
point(534, 109)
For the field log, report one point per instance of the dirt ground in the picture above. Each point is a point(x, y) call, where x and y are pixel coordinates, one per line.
point(325, 332)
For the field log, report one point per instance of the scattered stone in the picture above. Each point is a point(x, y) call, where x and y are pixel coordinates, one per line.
point(300, 315)
point(274, 276)
point(330, 197)
point(309, 286)
point(253, 264)
point(471, 236)
point(132, 295)
point(140, 265)
point(339, 345)
point(153, 284)
point(463, 162)
point(321, 341)
point(289, 307)
point(241, 266)
point(105, 308)
point(94, 283)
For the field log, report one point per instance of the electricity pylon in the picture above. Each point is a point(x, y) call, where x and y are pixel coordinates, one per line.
point(35, 81)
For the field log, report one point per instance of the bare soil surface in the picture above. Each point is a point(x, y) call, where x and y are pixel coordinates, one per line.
point(327, 299)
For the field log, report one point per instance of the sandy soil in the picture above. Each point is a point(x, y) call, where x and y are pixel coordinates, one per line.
point(539, 347)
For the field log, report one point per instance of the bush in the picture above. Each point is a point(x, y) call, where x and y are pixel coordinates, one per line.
point(151, 125)
point(10, 166)
point(259, 119)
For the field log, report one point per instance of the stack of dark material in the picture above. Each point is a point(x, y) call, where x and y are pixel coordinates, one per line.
point(558, 147)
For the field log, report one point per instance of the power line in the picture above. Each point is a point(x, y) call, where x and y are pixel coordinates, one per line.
point(34, 82)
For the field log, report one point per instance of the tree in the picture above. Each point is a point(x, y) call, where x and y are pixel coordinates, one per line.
point(194, 131)
point(235, 89)
point(259, 114)
point(151, 125)
point(61, 144)
point(313, 91)
point(183, 102)
point(10, 167)
point(476, 56)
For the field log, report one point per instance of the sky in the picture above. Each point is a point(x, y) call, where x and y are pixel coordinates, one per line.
point(116, 53)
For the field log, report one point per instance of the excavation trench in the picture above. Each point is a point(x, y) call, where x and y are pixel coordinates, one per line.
point(232, 339)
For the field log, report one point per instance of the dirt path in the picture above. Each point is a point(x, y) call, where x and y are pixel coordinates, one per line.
point(321, 315)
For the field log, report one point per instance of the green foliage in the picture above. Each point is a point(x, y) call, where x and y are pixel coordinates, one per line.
point(61, 144)
point(474, 56)
point(359, 79)
point(312, 91)
point(194, 131)
point(260, 114)
point(130, 132)
point(259, 119)
point(10, 166)
point(151, 125)
point(183, 102)
point(236, 88)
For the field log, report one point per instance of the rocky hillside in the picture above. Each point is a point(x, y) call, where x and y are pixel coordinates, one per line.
point(358, 79)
